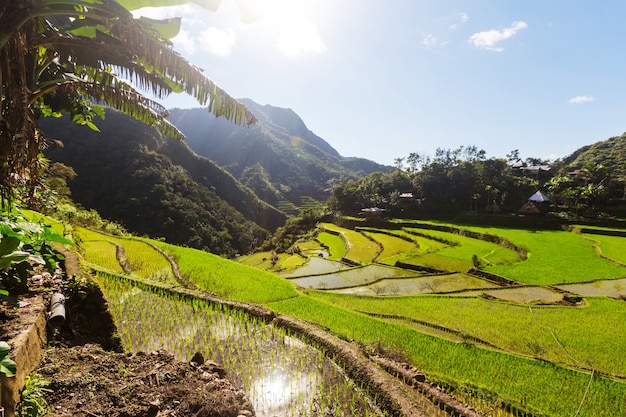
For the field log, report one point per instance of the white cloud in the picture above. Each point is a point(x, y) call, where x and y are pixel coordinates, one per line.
point(185, 41)
point(299, 36)
point(463, 17)
point(429, 40)
point(490, 39)
point(217, 41)
point(581, 99)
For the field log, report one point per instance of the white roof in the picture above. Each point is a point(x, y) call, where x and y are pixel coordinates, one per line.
point(539, 197)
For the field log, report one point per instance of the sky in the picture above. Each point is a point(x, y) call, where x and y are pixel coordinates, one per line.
point(382, 79)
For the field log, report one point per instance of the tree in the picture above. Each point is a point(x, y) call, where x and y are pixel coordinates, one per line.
point(71, 57)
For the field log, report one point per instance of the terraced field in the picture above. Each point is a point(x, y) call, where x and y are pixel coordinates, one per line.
point(556, 333)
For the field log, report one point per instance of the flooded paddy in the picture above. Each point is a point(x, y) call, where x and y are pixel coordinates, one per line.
point(522, 295)
point(420, 285)
point(614, 288)
point(280, 374)
point(353, 277)
point(316, 265)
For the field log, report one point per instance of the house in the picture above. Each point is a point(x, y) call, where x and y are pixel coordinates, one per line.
point(372, 213)
point(405, 200)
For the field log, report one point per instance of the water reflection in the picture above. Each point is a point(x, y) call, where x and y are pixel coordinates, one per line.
point(282, 375)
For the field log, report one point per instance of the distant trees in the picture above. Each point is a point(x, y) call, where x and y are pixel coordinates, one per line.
point(73, 56)
point(465, 179)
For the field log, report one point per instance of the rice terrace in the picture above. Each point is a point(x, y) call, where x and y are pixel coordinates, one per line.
point(210, 256)
point(511, 322)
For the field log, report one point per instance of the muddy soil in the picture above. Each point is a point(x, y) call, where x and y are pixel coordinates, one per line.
point(89, 381)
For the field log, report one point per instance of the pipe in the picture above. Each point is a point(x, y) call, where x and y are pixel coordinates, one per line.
point(57, 310)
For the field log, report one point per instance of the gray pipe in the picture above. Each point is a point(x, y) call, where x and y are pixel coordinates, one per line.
point(57, 310)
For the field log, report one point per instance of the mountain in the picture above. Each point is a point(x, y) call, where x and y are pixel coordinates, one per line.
point(611, 153)
point(278, 157)
point(159, 187)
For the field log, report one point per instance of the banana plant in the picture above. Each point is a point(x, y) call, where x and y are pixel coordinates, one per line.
point(71, 57)
point(22, 244)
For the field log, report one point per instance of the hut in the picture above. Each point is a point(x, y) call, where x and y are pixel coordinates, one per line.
point(537, 203)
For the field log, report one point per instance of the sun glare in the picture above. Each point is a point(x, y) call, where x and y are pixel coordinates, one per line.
point(297, 33)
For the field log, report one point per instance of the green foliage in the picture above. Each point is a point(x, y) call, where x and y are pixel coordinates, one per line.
point(7, 366)
point(22, 243)
point(32, 402)
point(300, 227)
point(108, 46)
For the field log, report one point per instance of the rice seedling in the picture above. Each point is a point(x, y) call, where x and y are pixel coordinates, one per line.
point(282, 375)
point(228, 279)
point(611, 246)
point(102, 253)
point(335, 244)
point(392, 246)
point(360, 249)
point(420, 285)
point(555, 257)
point(528, 384)
point(572, 336)
point(352, 277)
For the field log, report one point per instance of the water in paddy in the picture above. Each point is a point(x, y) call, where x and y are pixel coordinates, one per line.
point(282, 375)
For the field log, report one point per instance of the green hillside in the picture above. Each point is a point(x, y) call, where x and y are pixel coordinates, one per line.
point(159, 187)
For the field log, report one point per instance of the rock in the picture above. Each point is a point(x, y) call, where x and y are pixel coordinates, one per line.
point(197, 358)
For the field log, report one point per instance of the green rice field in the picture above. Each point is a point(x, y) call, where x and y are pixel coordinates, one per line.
point(550, 347)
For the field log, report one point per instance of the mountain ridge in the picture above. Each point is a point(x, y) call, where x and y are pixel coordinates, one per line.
point(291, 159)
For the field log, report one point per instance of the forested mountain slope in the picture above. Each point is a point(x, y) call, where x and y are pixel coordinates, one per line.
point(279, 157)
point(158, 187)
point(611, 153)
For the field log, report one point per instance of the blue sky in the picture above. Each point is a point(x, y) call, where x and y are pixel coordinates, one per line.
point(382, 79)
